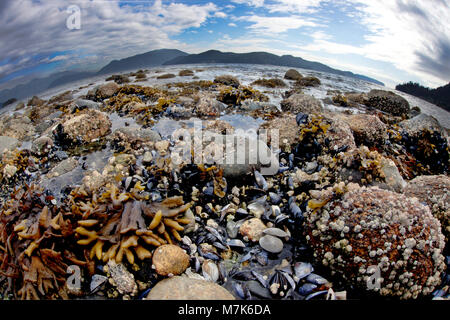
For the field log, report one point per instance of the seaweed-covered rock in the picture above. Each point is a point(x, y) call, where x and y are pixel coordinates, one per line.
point(166, 76)
point(207, 105)
point(186, 73)
point(270, 83)
point(35, 101)
point(370, 230)
point(434, 191)
point(308, 82)
point(388, 102)
point(126, 139)
point(87, 126)
point(292, 74)
point(183, 288)
point(301, 103)
point(228, 80)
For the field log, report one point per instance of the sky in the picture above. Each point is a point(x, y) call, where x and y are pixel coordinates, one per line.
point(393, 41)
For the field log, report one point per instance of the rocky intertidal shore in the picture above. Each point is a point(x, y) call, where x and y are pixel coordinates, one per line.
point(124, 190)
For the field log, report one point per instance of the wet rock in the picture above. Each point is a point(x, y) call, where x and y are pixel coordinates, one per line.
point(339, 133)
point(182, 288)
point(93, 180)
point(63, 167)
point(252, 229)
point(126, 139)
point(8, 143)
point(35, 101)
point(88, 125)
point(207, 105)
point(293, 74)
point(19, 106)
point(271, 244)
point(104, 91)
point(310, 167)
point(170, 260)
point(392, 176)
point(162, 147)
point(219, 126)
point(435, 192)
point(370, 228)
point(166, 76)
point(228, 80)
point(388, 102)
point(301, 103)
point(308, 82)
point(147, 158)
point(9, 170)
point(248, 153)
point(82, 103)
point(42, 146)
point(251, 105)
point(288, 131)
point(44, 126)
point(119, 79)
point(186, 73)
point(368, 129)
point(17, 126)
point(121, 278)
point(65, 96)
point(416, 125)
point(270, 83)
point(276, 232)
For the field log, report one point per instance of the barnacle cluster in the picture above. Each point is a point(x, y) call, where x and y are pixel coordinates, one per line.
point(13, 164)
point(370, 229)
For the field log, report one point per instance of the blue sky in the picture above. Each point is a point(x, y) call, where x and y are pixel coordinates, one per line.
point(390, 40)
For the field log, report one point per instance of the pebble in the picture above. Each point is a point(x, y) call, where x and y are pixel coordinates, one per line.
point(170, 259)
point(252, 229)
point(271, 244)
point(276, 232)
point(122, 279)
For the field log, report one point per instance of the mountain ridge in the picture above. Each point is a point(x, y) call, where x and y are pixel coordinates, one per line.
point(166, 57)
point(264, 58)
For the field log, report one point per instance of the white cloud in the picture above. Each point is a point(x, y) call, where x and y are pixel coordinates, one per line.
point(295, 6)
point(108, 31)
point(220, 14)
point(231, 24)
point(272, 25)
point(254, 3)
